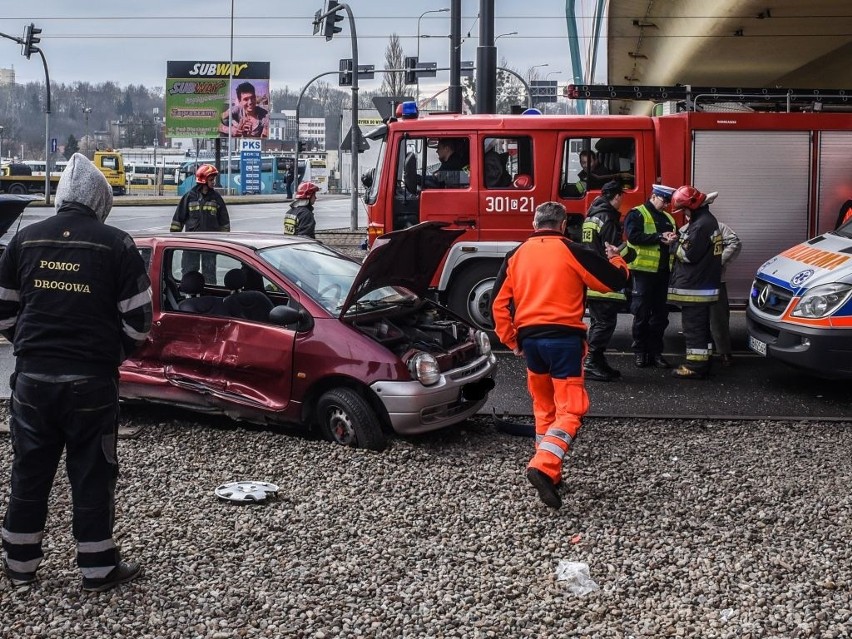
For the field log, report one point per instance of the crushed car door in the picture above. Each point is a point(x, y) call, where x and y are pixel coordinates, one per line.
point(219, 359)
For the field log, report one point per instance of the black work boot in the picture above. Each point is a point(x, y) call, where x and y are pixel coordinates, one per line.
point(641, 360)
point(613, 372)
point(594, 367)
point(122, 573)
point(546, 488)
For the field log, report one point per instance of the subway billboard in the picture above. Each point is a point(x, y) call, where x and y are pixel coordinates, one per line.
point(200, 104)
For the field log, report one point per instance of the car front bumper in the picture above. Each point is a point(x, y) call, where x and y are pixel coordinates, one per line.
point(823, 352)
point(414, 408)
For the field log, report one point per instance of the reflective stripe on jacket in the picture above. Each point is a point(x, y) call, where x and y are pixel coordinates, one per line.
point(698, 269)
point(648, 255)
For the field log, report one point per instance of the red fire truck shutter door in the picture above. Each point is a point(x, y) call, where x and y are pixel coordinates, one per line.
point(762, 178)
point(835, 176)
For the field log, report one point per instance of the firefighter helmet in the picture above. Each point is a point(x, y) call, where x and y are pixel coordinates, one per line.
point(205, 172)
point(687, 197)
point(306, 190)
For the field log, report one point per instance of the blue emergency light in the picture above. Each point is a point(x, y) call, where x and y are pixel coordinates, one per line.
point(408, 110)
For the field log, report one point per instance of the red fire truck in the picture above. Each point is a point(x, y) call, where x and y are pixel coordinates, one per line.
point(781, 178)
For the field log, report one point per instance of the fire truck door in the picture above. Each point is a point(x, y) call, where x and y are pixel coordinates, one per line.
point(762, 178)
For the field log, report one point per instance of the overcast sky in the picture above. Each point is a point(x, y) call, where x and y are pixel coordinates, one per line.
point(129, 43)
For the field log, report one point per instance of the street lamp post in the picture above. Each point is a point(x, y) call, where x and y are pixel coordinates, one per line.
point(444, 10)
point(1, 145)
point(533, 68)
point(86, 112)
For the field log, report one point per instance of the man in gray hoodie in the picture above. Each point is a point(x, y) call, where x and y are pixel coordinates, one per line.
point(75, 301)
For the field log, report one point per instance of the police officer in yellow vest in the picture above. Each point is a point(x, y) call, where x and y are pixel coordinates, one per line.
point(650, 232)
point(602, 226)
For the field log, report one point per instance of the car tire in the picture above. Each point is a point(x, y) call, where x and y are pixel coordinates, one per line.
point(471, 294)
point(347, 419)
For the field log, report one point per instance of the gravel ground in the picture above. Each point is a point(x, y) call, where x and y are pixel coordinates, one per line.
point(690, 529)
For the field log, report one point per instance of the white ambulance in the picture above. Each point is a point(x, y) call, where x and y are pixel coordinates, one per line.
point(800, 306)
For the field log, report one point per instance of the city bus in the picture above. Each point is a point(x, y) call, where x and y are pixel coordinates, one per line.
point(273, 170)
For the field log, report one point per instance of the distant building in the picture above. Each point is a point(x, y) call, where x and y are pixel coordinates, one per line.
point(282, 126)
point(7, 76)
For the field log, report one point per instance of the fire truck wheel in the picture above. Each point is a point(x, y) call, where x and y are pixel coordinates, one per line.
point(470, 295)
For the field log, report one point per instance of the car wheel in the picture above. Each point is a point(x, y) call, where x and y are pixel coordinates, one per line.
point(471, 295)
point(346, 418)
point(17, 189)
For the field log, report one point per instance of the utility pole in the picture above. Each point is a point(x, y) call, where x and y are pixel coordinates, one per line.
point(486, 60)
point(454, 97)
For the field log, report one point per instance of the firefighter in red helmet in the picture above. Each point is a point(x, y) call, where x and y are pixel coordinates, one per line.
point(299, 218)
point(201, 209)
point(696, 278)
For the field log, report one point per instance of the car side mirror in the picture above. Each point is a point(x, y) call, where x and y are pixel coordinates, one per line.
point(367, 178)
point(286, 315)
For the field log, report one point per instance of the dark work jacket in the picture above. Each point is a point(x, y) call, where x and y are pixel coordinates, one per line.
point(603, 224)
point(299, 220)
point(75, 297)
point(697, 270)
point(198, 211)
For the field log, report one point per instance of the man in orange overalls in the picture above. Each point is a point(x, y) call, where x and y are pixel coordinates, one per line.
point(539, 301)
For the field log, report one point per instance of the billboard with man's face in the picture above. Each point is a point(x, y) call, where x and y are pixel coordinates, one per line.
point(199, 103)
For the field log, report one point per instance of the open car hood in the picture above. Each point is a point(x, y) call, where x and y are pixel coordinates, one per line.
point(407, 258)
point(11, 207)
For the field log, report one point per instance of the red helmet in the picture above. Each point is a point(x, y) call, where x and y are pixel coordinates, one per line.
point(687, 197)
point(205, 172)
point(306, 190)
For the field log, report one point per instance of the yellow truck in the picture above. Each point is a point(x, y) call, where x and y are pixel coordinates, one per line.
point(111, 164)
point(17, 178)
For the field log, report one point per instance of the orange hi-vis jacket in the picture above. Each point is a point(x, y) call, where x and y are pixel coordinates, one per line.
point(541, 287)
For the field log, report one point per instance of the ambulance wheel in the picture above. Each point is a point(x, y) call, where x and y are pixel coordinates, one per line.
point(471, 295)
point(347, 419)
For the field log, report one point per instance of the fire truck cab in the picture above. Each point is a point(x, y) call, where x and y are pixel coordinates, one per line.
point(780, 176)
point(509, 165)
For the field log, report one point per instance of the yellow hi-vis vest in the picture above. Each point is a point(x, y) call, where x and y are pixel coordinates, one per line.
point(647, 255)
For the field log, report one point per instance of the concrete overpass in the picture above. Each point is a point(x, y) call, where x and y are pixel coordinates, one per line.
point(750, 43)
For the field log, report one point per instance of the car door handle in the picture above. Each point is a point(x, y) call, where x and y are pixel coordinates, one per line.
point(465, 221)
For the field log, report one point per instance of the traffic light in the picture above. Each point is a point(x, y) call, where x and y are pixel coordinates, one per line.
point(345, 77)
point(301, 145)
point(411, 69)
point(30, 40)
point(329, 28)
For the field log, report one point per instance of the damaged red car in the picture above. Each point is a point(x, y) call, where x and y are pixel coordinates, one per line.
point(273, 329)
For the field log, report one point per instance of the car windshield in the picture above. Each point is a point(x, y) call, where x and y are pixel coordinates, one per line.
point(326, 276)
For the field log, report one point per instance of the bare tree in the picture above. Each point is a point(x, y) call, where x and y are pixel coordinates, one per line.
point(393, 83)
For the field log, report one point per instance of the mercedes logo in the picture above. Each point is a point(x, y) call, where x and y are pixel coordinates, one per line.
point(763, 297)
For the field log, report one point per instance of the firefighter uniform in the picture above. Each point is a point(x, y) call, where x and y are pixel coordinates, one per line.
point(539, 302)
point(603, 226)
point(694, 286)
point(644, 227)
point(75, 300)
point(200, 209)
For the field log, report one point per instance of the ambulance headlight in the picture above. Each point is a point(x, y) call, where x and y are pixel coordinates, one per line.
point(822, 301)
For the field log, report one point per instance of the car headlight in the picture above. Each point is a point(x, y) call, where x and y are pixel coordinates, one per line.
point(424, 368)
point(822, 301)
point(483, 344)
